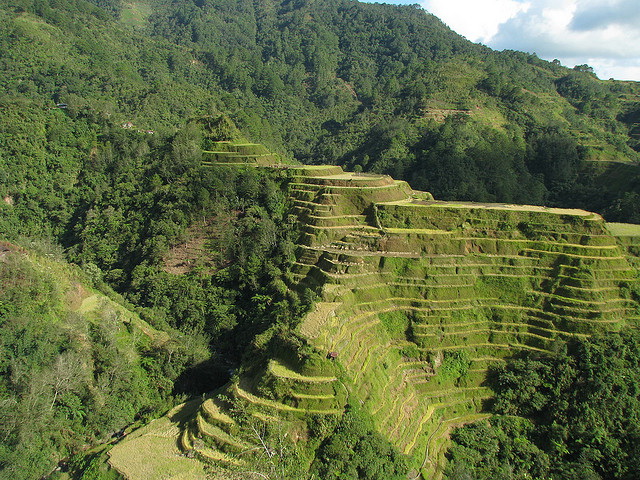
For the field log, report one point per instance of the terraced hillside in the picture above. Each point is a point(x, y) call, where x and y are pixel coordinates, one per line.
point(234, 153)
point(417, 298)
point(420, 296)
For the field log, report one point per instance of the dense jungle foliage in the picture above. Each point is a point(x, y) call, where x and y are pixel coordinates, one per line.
point(100, 154)
point(572, 416)
point(379, 87)
point(117, 212)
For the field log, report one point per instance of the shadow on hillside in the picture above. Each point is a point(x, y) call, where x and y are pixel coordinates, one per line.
point(202, 378)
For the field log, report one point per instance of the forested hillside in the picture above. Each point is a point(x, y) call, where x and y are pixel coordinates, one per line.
point(78, 364)
point(112, 115)
point(573, 415)
point(383, 88)
point(121, 223)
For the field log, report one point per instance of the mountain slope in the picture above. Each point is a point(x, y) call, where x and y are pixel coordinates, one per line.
point(417, 301)
point(78, 365)
point(106, 111)
point(369, 86)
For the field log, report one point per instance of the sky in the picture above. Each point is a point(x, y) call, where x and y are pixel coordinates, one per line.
point(604, 34)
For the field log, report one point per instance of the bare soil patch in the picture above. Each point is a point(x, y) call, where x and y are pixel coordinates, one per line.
point(205, 246)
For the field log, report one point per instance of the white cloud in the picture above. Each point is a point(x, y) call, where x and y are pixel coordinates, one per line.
point(603, 33)
point(476, 20)
point(628, 69)
point(547, 28)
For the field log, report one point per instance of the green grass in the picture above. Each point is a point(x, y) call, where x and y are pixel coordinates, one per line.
point(135, 14)
point(624, 229)
point(157, 441)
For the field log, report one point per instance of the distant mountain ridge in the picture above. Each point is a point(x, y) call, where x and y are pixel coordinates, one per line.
point(338, 81)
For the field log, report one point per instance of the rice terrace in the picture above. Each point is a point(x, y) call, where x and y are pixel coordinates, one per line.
point(417, 299)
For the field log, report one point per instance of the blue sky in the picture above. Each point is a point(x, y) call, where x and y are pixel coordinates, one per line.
point(602, 33)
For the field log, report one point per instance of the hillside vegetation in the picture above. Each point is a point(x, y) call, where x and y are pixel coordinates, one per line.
point(424, 309)
point(383, 88)
point(124, 210)
point(78, 365)
point(304, 321)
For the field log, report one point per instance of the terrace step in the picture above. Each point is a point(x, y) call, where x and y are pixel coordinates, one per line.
point(489, 280)
point(280, 370)
point(222, 440)
point(273, 405)
point(207, 454)
point(212, 412)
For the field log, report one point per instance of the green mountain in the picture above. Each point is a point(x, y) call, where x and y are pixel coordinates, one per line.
point(78, 363)
point(388, 88)
point(322, 323)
